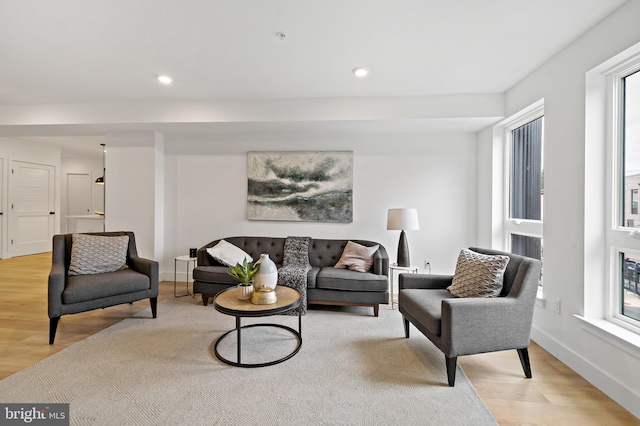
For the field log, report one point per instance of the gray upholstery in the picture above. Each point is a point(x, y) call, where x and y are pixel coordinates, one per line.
point(325, 284)
point(465, 326)
point(80, 293)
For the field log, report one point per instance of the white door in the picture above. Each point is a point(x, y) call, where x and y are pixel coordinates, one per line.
point(31, 208)
point(78, 198)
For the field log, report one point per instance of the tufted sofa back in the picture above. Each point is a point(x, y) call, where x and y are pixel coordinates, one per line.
point(321, 252)
point(254, 246)
point(327, 253)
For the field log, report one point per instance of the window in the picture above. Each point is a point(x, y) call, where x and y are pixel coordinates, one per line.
point(621, 233)
point(526, 185)
point(625, 301)
point(524, 194)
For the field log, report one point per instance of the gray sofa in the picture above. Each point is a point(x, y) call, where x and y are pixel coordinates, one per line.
point(326, 285)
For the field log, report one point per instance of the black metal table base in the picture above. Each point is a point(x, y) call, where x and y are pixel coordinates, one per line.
point(238, 330)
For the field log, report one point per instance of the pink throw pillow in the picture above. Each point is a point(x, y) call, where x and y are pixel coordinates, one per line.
point(357, 257)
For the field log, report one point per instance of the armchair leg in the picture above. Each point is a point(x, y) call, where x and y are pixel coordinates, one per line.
point(406, 327)
point(524, 360)
point(154, 306)
point(205, 299)
point(451, 369)
point(53, 326)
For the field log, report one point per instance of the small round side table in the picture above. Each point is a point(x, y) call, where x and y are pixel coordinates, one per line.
point(401, 269)
point(184, 258)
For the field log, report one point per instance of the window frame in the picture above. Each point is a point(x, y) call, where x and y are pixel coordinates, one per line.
point(525, 227)
point(618, 237)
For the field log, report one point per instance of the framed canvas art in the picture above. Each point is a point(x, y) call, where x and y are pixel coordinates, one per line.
point(305, 186)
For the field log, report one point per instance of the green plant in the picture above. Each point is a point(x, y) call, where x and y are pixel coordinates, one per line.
point(243, 273)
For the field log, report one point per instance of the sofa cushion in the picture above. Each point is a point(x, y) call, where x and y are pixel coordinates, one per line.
point(81, 288)
point(344, 279)
point(213, 274)
point(478, 275)
point(356, 257)
point(425, 306)
point(228, 254)
point(94, 254)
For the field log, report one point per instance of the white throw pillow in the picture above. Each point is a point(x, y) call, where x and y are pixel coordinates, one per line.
point(228, 254)
point(478, 275)
point(356, 257)
point(95, 254)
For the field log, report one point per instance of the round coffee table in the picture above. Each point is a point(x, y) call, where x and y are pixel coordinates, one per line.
point(228, 303)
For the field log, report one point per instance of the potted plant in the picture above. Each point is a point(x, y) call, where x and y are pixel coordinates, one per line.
point(244, 273)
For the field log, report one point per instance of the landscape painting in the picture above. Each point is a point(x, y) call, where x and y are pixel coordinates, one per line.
point(300, 186)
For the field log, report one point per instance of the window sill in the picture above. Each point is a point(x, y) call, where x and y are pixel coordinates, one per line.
point(620, 337)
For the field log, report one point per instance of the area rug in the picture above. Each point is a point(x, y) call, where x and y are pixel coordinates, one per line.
point(352, 369)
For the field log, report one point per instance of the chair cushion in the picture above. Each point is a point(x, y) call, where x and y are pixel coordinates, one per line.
point(228, 254)
point(425, 306)
point(356, 257)
point(343, 279)
point(81, 288)
point(478, 275)
point(94, 254)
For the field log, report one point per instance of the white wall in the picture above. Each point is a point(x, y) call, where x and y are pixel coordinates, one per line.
point(561, 82)
point(433, 173)
point(135, 189)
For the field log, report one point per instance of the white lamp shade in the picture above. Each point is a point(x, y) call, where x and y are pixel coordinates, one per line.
point(403, 219)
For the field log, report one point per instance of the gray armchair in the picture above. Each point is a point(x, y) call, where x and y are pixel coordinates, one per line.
point(80, 293)
point(466, 326)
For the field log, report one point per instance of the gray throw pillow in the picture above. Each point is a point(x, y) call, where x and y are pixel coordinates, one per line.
point(94, 254)
point(478, 275)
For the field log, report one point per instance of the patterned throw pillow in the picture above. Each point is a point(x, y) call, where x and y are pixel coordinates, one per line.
point(94, 254)
point(478, 275)
point(228, 254)
point(356, 257)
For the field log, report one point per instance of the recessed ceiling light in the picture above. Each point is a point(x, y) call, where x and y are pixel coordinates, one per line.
point(361, 72)
point(165, 79)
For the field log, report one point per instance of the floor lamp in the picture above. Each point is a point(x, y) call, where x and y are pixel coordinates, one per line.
point(403, 219)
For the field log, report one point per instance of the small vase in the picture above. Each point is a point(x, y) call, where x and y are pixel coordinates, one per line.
point(244, 292)
point(267, 276)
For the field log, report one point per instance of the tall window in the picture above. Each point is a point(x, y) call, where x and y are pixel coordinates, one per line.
point(524, 195)
point(526, 186)
point(626, 303)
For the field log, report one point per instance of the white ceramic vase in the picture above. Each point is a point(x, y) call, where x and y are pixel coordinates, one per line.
point(267, 276)
point(244, 292)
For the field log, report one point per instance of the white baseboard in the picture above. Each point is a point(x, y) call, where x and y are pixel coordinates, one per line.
point(624, 396)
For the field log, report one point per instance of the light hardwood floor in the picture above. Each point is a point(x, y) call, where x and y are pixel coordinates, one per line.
point(554, 396)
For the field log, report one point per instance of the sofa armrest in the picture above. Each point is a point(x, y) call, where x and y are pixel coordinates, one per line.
point(378, 267)
point(147, 267)
point(426, 281)
point(477, 325)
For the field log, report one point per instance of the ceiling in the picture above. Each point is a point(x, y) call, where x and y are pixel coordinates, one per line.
point(70, 53)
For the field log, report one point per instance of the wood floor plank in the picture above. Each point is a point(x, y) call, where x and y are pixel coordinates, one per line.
point(555, 395)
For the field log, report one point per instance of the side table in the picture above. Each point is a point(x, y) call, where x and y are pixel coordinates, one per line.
point(400, 269)
point(188, 259)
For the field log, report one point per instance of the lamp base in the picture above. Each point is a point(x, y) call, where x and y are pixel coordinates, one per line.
point(403, 250)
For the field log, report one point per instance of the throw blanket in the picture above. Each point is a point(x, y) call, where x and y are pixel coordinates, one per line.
point(295, 266)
